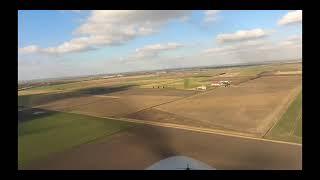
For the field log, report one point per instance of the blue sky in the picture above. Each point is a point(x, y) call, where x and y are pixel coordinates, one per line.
point(67, 43)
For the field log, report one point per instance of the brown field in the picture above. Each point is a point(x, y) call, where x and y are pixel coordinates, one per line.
point(121, 106)
point(254, 102)
point(154, 114)
point(140, 147)
point(250, 107)
point(116, 103)
point(64, 104)
point(154, 92)
point(287, 72)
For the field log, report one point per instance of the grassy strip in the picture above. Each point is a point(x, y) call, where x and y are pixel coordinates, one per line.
point(289, 127)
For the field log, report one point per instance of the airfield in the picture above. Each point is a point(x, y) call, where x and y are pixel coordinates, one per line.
point(131, 122)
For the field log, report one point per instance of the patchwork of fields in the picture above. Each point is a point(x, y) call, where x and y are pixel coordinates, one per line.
point(262, 102)
point(251, 107)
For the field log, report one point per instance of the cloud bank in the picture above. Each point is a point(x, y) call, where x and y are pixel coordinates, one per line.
point(293, 17)
point(109, 28)
point(242, 35)
point(210, 16)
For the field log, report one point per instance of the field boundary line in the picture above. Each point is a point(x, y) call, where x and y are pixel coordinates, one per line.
point(284, 110)
point(296, 123)
point(197, 129)
point(190, 128)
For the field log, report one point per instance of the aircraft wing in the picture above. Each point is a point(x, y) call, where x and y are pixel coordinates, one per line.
point(179, 163)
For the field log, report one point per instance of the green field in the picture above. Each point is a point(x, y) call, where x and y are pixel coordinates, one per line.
point(41, 137)
point(289, 127)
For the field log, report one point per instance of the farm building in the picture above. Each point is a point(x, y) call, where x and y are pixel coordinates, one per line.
point(216, 84)
point(201, 88)
point(225, 83)
point(221, 83)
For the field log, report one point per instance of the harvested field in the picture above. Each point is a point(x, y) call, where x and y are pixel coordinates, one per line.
point(33, 92)
point(154, 92)
point(141, 146)
point(104, 106)
point(116, 103)
point(69, 126)
point(287, 72)
point(121, 106)
point(154, 114)
point(251, 107)
point(157, 115)
point(42, 99)
point(64, 104)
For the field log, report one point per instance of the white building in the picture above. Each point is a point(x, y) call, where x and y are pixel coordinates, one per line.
point(201, 87)
point(225, 82)
point(221, 83)
point(216, 84)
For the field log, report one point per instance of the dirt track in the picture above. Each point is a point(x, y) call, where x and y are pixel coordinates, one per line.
point(143, 145)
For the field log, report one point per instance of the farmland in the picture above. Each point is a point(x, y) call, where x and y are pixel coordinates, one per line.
point(53, 132)
point(289, 127)
point(250, 107)
point(140, 146)
point(263, 102)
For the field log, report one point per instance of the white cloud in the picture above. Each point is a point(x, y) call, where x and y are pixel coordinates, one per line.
point(108, 28)
point(219, 49)
point(235, 47)
point(74, 45)
point(114, 27)
point(291, 42)
point(259, 50)
point(242, 35)
point(210, 15)
point(155, 49)
point(291, 18)
point(245, 51)
point(29, 49)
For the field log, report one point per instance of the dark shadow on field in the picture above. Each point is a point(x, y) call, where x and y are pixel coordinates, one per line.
point(152, 139)
point(39, 99)
point(156, 141)
point(103, 90)
point(33, 113)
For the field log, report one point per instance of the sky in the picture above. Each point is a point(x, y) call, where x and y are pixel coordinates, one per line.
point(59, 43)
